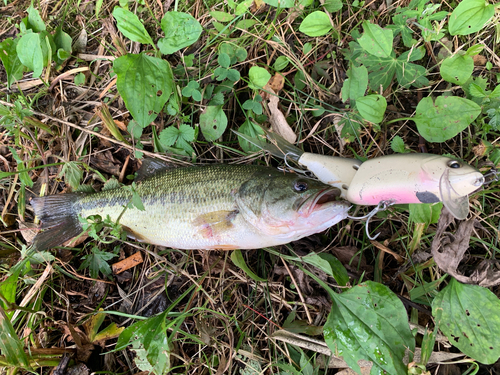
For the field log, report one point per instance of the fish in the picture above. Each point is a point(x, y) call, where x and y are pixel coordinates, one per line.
point(208, 207)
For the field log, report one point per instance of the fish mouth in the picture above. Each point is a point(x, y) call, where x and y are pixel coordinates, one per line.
point(317, 201)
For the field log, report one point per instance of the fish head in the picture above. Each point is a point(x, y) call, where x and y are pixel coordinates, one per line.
point(290, 207)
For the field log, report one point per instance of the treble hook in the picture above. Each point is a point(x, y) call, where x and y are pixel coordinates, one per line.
point(491, 176)
point(306, 172)
point(382, 206)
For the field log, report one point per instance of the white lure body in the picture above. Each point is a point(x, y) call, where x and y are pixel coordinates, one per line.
point(415, 178)
point(331, 170)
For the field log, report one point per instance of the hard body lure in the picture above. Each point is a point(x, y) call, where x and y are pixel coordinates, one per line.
point(392, 179)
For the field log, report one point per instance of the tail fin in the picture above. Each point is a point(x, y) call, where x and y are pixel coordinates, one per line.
point(59, 219)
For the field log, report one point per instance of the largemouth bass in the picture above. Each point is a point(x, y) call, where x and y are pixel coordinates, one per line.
point(211, 207)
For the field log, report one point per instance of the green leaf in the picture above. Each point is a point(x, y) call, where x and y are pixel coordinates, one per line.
point(10, 60)
point(238, 261)
point(63, 45)
point(425, 213)
point(252, 130)
point(376, 40)
point(181, 30)
point(372, 107)
point(474, 50)
point(398, 145)
point(470, 16)
point(29, 51)
point(213, 122)
point(330, 265)
point(186, 132)
point(369, 322)
point(23, 176)
point(72, 173)
point(333, 6)
point(355, 86)
point(8, 287)
point(150, 343)
point(245, 24)
point(168, 136)
point(130, 26)
point(10, 345)
point(221, 16)
point(258, 77)
point(145, 84)
point(468, 316)
point(316, 24)
point(224, 60)
point(97, 262)
point(281, 63)
point(35, 22)
point(446, 117)
point(281, 3)
point(457, 69)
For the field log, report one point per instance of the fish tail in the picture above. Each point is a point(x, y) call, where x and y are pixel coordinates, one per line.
point(59, 219)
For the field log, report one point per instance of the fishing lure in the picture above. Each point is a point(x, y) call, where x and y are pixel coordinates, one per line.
point(387, 180)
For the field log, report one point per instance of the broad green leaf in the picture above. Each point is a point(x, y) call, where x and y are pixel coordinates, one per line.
point(425, 213)
point(239, 261)
point(35, 22)
point(409, 74)
point(130, 26)
point(372, 107)
point(10, 345)
point(145, 84)
point(333, 6)
point(398, 145)
point(457, 69)
point(8, 287)
point(281, 3)
point(468, 316)
point(369, 322)
point(13, 66)
point(29, 51)
point(243, 6)
point(446, 117)
point(355, 86)
point(149, 340)
point(213, 122)
point(258, 77)
point(97, 262)
point(245, 24)
point(474, 50)
point(221, 16)
point(62, 40)
point(181, 30)
point(252, 130)
point(376, 40)
point(330, 265)
point(316, 24)
point(224, 60)
point(281, 63)
point(470, 16)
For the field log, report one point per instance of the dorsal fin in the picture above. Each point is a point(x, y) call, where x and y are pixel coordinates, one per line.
point(150, 167)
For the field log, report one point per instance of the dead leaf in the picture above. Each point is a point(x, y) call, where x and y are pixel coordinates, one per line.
point(257, 6)
point(479, 60)
point(276, 82)
point(277, 118)
point(448, 250)
point(127, 263)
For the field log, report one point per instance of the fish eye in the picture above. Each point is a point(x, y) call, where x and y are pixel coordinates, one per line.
point(454, 164)
point(300, 185)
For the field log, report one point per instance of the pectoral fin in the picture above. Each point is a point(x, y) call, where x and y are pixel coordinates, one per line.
point(214, 223)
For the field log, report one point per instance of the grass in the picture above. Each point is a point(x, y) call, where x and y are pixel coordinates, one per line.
point(209, 311)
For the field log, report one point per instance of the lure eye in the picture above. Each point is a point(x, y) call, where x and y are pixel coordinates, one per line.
point(300, 186)
point(454, 164)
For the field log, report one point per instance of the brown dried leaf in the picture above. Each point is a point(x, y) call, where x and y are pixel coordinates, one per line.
point(127, 263)
point(278, 120)
point(276, 82)
point(448, 250)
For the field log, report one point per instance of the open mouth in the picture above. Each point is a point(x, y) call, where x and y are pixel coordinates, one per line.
point(315, 202)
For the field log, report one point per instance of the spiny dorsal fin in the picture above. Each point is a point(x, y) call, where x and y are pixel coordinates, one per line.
point(150, 167)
